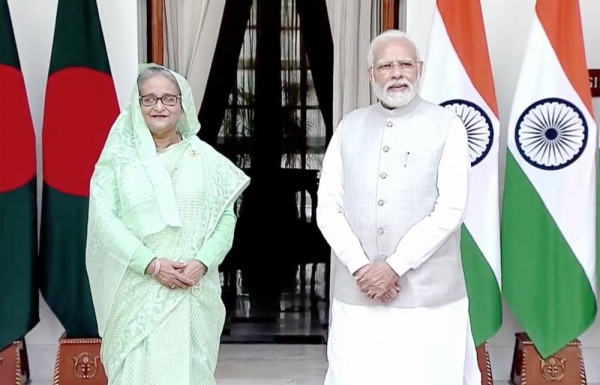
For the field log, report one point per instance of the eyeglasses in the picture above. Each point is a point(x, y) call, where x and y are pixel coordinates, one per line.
point(386, 67)
point(167, 100)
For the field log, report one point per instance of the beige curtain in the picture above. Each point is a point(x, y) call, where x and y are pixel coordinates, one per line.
point(354, 23)
point(191, 34)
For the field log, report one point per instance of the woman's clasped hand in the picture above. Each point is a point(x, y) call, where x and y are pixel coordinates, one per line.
point(176, 274)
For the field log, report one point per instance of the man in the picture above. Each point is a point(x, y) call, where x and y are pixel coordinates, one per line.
point(392, 198)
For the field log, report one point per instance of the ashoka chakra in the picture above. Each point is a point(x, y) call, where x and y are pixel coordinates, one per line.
point(551, 134)
point(480, 132)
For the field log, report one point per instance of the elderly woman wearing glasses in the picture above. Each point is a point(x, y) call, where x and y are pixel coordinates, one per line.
point(161, 220)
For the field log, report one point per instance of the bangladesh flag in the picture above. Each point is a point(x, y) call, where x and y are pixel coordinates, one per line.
point(18, 206)
point(81, 106)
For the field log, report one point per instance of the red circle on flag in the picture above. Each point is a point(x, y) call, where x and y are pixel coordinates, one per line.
point(81, 106)
point(17, 136)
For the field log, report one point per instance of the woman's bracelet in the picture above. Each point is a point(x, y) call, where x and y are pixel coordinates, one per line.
point(156, 267)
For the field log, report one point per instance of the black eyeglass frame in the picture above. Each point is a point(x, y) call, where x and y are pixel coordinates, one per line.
point(177, 98)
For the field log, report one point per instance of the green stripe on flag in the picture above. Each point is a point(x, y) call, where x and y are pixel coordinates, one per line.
point(543, 282)
point(485, 301)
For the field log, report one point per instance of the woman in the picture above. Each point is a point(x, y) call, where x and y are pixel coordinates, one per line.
point(161, 221)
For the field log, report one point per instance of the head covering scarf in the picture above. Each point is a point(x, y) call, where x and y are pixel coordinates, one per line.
point(132, 194)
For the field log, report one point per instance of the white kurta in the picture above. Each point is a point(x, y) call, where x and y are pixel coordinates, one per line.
point(401, 345)
point(382, 345)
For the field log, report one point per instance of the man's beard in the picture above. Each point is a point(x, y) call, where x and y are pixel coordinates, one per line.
point(395, 99)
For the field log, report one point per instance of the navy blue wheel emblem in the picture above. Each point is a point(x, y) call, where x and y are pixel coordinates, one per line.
point(551, 134)
point(480, 132)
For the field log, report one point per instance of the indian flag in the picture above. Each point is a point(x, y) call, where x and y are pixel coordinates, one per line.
point(458, 75)
point(548, 223)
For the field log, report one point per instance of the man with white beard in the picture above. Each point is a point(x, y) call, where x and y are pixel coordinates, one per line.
point(392, 199)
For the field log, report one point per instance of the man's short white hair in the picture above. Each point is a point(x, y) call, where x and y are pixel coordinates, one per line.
point(392, 34)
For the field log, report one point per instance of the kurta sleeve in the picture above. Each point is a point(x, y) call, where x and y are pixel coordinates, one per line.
point(424, 238)
point(215, 248)
point(104, 209)
point(330, 211)
point(141, 259)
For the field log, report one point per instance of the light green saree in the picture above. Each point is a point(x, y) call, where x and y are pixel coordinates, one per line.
point(178, 205)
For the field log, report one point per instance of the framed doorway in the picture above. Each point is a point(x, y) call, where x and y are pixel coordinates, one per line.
point(270, 112)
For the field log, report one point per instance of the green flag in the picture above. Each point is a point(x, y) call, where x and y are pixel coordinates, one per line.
point(81, 105)
point(18, 205)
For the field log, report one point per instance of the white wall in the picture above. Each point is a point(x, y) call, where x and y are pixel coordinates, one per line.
point(33, 21)
point(507, 26)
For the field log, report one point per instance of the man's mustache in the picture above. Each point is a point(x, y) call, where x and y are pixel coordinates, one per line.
point(397, 83)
